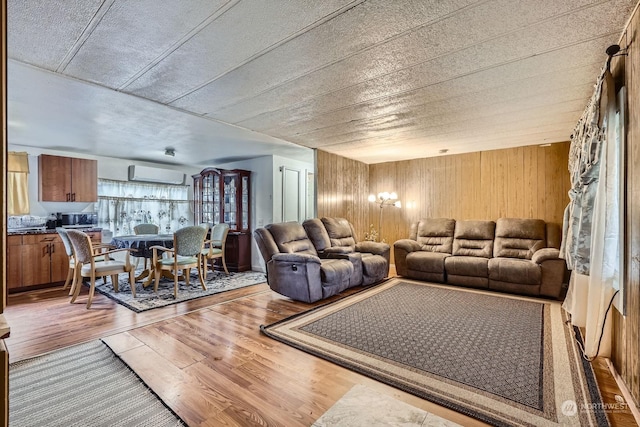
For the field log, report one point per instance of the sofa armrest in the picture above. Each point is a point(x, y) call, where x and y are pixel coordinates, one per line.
point(296, 276)
point(407, 245)
point(401, 249)
point(376, 248)
point(293, 257)
point(545, 254)
point(338, 250)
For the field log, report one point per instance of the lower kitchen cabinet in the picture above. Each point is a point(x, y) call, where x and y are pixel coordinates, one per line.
point(14, 262)
point(37, 260)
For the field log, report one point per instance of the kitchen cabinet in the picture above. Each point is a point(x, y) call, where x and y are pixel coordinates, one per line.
point(223, 196)
point(14, 262)
point(67, 179)
point(37, 260)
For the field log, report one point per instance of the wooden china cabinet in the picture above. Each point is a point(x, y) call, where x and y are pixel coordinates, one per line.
point(224, 196)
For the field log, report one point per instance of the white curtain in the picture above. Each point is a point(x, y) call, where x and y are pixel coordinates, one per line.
point(589, 296)
point(122, 205)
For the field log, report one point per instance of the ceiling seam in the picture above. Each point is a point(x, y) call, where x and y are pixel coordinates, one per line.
point(88, 30)
point(481, 118)
point(404, 68)
point(432, 84)
point(435, 132)
point(297, 123)
point(188, 36)
point(460, 112)
point(522, 132)
point(380, 43)
point(276, 45)
point(494, 141)
point(395, 133)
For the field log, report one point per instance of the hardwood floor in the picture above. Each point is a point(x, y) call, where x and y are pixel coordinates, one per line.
point(206, 358)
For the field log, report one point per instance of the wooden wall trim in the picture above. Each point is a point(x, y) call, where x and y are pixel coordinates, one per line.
point(4, 354)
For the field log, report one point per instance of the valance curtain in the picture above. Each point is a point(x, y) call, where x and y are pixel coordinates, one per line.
point(123, 204)
point(18, 183)
point(591, 224)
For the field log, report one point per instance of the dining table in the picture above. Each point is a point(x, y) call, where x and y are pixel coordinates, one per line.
point(141, 245)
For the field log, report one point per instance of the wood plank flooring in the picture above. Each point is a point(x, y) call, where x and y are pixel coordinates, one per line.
point(206, 358)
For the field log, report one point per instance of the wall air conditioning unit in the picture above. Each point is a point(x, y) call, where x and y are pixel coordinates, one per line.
point(156, 175)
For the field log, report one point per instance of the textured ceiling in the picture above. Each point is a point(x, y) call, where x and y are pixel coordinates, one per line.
point(375, 80)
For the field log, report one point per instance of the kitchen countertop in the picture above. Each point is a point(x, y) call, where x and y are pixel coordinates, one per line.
point(48, 231)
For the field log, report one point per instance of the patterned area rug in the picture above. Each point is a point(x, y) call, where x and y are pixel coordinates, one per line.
point(147, 299)
point(502, 359)
point(83, 385)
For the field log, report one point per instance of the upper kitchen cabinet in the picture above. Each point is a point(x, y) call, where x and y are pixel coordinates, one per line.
point(67, 179)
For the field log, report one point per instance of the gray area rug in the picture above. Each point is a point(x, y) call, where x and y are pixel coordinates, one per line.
point(505, 360)
point(83, 385)
point(147, 299)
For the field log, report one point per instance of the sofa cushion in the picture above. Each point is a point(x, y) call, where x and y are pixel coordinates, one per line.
point(467, 266)
point(317, 234)
point(430, 262)
point(474, 238)
point(335, 273)
point(290, 237)
point(515, 271)
point(434, 234)
point(340, 232)
point(519, 238)
point(374, 268)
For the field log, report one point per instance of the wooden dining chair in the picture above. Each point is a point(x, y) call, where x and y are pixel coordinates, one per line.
point(68, 247)
point(146, 229)
point(185, 255)
point(215, 246)
point(86, 265)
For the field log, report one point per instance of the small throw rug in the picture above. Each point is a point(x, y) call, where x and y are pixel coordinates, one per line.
point(364, 407)
point(147, 299)
point(502, 359)
point(84, 385)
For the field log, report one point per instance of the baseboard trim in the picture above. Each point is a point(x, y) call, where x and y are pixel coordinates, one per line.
point(624, 390)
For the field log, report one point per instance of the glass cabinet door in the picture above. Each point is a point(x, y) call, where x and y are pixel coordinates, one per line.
point(230, 202)
point(245, 203)
point(215, 200)
point(207, 184)
point(223, 196)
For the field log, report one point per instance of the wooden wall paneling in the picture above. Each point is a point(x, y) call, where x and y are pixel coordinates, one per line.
point(530, 183)
point(626, 334)
point(486, 180)
point(556, 161)
point(343, 187)
point(481, 185)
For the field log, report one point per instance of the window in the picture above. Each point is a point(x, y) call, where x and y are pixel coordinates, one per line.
point(122, 205)
point(18, 184)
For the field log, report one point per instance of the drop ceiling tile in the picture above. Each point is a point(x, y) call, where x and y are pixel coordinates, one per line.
point(132, 34)
point(464, 29)
point(359, 28)
point(443, 98)
point(468, 27)
point(41, 33)
point(246, 30)
point(333, 106)
point(500, 112)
